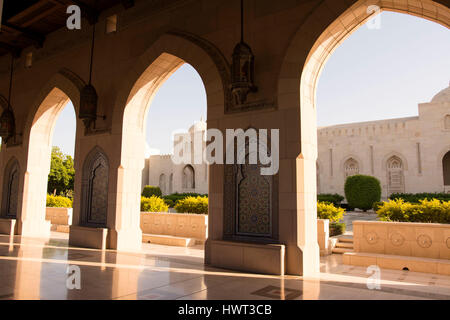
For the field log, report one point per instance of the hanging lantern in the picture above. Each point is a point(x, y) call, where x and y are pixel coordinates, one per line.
point(88, 105)
point(7, 121)
point(242, 73)
point(242, 68)
point(7, 125)
point(88, 95)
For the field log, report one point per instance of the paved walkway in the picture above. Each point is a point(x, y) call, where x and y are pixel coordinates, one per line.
point(351, 216)
point(36, 269)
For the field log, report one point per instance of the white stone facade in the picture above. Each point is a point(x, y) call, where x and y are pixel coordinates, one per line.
point(406, 154)
point(161, 171)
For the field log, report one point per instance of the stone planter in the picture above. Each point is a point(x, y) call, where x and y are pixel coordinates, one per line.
point(179, 225)
point(422, 247)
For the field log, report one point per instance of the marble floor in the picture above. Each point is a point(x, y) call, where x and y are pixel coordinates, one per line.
point(37, 269)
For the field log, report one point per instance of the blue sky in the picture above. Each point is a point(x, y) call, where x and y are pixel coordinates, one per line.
point(374, 74)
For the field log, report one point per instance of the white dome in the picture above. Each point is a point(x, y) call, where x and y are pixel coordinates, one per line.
point(198, 126)
point(442, 96)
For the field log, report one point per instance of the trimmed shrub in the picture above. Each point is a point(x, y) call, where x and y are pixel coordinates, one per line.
point(197, 205)
point(58, 202)
point(329, 211)
point(335, 199)
point(416, 197)
point(337, 228)
point(434, 211)
point(377, 205)
point(172, 199)
point(150, 191)
point(169, 202)
point(362, 191)
point(153, 204)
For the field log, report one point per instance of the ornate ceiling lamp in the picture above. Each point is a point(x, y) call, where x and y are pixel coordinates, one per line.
point(88, 95)
point(242, 68)
point(7, 121)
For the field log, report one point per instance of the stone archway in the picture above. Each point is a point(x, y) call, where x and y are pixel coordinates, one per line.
point(152, 69)
point(446, 171)
point(325, 27)
point(34, 153)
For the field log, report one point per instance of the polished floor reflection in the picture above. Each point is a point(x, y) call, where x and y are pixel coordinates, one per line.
point(37, 269)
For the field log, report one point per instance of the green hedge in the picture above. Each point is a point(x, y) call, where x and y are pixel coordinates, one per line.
point(362, 191)
point(58, 202)
point(173, 198)
point(434, 211)
point(153, 204)
point(416, 197)
point(329, 211)
point(335, 199)
point(197, 205)
point(151, 191)
point(337, 229)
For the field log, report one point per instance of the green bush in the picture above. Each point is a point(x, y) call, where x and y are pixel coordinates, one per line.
point(197, 205)
point(153, 204)
point(172, 199)
point(434, 211)
point(329, 211)
point(58, 202)
point(151, 191)
point(416, 197)
point(362, 191)
point(335, 199)
point(376, 205)
point(336, 228)
point(169, 202)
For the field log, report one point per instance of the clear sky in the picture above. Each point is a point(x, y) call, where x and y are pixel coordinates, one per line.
point(374, 74)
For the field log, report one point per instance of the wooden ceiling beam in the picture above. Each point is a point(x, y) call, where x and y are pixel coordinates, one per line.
point(35, 38)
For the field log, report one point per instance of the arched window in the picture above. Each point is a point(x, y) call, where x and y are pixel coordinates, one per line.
point(11, 190)
point(447, 122)
point(351, 167)
point(188, 177)
point(95, 189)
point(162, 183)
point(446, 168)
point(396, 181)
point(171, 183)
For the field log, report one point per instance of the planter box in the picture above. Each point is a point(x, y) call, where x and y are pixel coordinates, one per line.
point(421, 247)
point(175, 224)
point(59, 216)
point(427, 240)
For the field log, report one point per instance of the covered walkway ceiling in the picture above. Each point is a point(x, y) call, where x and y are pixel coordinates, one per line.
point(28, 22)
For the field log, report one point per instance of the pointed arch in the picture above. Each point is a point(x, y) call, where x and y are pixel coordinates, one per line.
point(188, 179)
point(10, 195)
point(95, 189)
point(162, 183)
point(351, 167)
point(395, 175)
point(446, 169)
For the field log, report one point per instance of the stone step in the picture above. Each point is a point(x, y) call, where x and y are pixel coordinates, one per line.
point(168, 240)
point(345, 239)
point(342, 250)
point(348, 245)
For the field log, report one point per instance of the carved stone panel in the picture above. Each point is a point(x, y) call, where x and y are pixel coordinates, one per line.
point(250, 204)
point(11, 190)
point(95, 189)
